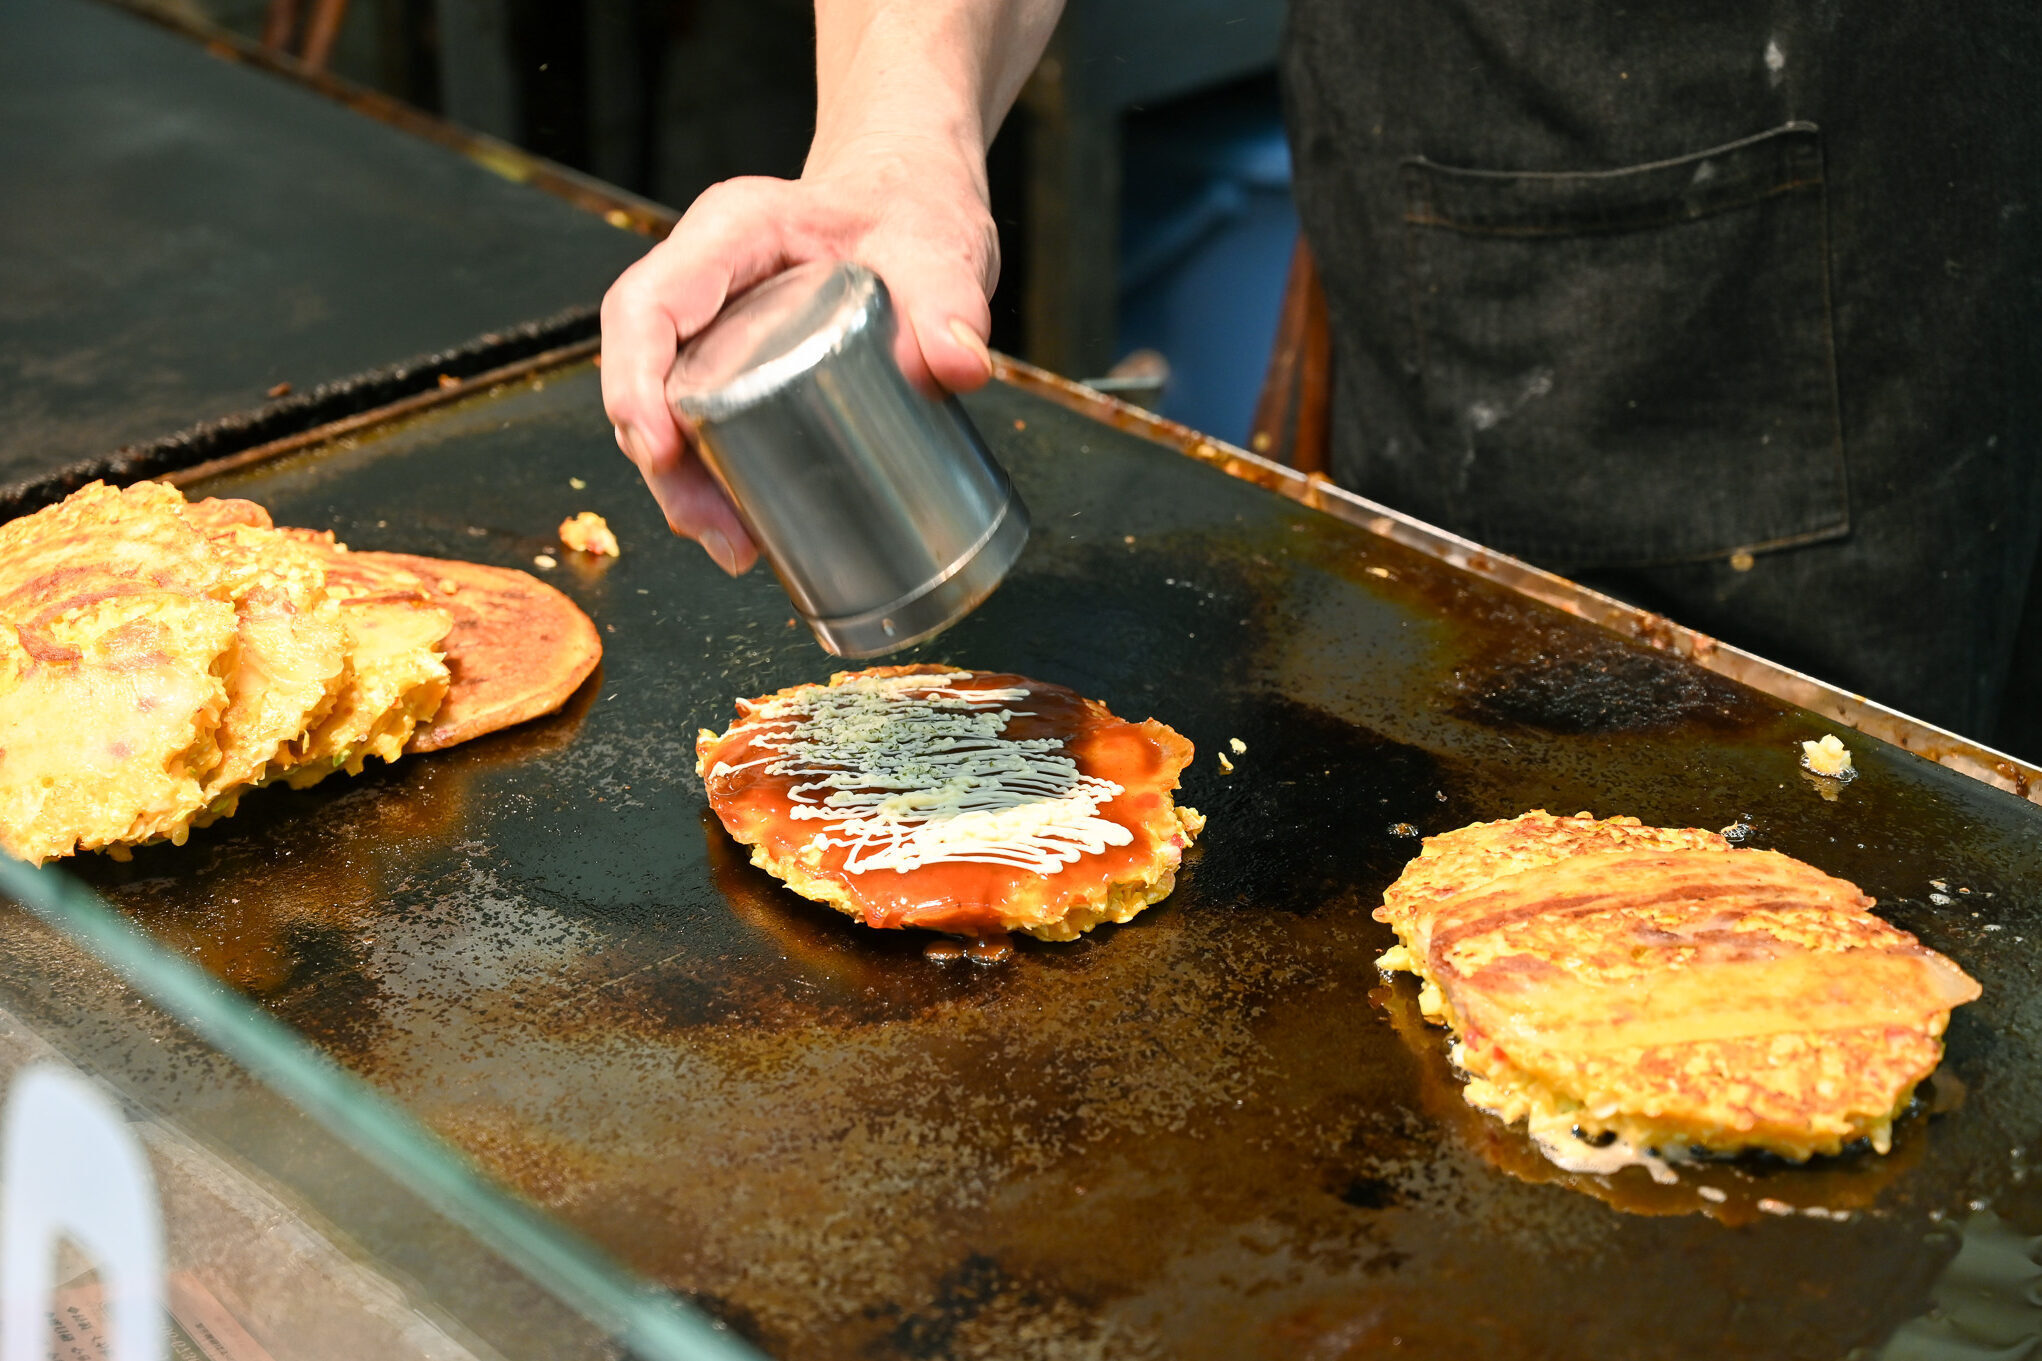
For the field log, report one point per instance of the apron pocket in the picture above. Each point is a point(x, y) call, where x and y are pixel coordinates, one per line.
point(1632, 366)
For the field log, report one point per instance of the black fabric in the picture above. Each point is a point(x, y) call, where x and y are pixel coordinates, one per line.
point(1653, 294)
point(1546, 329)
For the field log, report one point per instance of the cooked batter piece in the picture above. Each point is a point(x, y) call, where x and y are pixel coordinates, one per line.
point(117, 634)
point(1656, 986)
point(292, 658)
point(960, 801)
point(396, 634)
point(518, 647)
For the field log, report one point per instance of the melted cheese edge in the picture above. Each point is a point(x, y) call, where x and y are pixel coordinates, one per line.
point(907, 771)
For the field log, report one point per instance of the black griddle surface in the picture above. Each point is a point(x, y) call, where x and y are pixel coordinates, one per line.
point(179, 233)
point(1213, 1132)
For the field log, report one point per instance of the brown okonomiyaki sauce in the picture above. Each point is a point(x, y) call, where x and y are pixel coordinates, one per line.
point(964, 898)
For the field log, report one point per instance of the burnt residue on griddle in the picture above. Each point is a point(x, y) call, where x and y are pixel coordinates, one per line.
point(735, 1317)
point(1370, 1193)
point(1304, 817)
point(280, 870)
point(1545, 671)
point(975, 1311)
point(1522, 664)
point(1349, 1328)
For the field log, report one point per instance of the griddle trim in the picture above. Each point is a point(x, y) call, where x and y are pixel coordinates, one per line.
point(1960, 754)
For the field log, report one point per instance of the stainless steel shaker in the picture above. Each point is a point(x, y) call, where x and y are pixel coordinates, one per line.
point(880, 510)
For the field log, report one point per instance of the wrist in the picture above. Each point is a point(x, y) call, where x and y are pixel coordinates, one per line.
point(929, 161)
point(915, 75)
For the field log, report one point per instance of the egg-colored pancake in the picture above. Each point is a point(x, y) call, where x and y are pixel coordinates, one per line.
point(290, 657)
point(1609, 980)
point(101, 533)
point(211, 514)
point(116, 630)
point(961, 801)
point(518, 648)
point(1469, 857)
point(1457, 861)
point(396, 675)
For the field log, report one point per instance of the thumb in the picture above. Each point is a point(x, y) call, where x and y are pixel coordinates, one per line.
point(944, 321)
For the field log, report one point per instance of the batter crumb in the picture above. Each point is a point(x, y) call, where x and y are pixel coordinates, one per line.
point(588, 532)
point(1827, 757)
point(1240, 747)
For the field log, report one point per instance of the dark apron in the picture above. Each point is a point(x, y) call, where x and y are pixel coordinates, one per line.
point(1734, 310)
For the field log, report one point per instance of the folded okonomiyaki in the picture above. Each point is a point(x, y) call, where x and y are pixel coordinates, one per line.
point(1657, 987)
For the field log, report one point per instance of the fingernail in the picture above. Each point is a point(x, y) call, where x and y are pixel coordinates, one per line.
point(969, 338)
point(627, 440)
point(718, 548)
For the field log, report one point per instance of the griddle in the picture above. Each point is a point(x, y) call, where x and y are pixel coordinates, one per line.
point(182, 232)
point(1213, 1132)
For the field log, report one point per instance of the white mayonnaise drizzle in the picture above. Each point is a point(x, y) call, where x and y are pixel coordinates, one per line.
point(905, 771)
point(1552, 1131)
point(1555, 1138)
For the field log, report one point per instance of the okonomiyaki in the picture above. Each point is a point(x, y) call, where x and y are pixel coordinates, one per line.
point(398, 671)
point(117, 645)
point(967, 802)
point(1659, 989)
point(517, 650)
point(161, 658)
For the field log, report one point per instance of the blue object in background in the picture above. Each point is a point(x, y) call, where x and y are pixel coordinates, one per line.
point(1207, 229)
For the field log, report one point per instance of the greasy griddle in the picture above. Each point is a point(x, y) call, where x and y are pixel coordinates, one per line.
point(1214, 1132)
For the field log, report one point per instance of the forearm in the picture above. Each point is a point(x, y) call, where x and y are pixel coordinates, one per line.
point(922, 72)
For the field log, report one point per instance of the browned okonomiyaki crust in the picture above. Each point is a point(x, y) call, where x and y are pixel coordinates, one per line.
point(1671, 995)
point(518, 647)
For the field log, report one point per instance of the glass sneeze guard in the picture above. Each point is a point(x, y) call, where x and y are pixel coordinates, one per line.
point(301, 1216)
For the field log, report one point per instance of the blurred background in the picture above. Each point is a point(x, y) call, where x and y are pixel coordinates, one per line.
point(1142, 185)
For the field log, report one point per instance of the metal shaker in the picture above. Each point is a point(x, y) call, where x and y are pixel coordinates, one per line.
point(880, 510)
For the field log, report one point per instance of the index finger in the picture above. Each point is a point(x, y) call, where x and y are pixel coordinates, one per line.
point(725, 244)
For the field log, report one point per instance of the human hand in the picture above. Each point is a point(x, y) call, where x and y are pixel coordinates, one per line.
point(912, 210)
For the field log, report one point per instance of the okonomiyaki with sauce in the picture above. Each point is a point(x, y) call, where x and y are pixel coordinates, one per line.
point(1635, 993)
point(966, 802)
